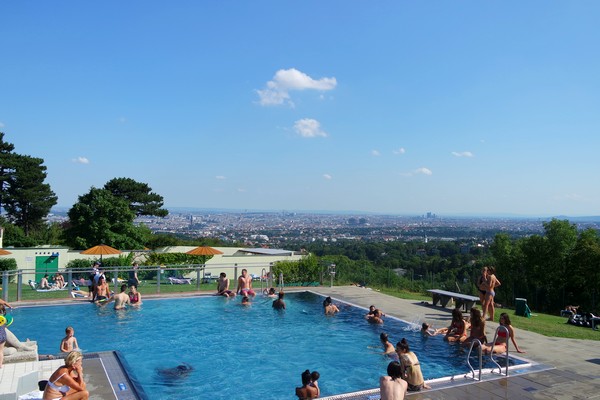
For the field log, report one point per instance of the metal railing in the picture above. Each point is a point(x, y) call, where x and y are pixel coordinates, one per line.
point(14, 281)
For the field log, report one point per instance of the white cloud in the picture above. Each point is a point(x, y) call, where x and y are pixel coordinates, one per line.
point(241, 190)
point(462, 154)
point(122, 120)
point(1, 125)
point(286, 80)
point(81, 160)
point(327, 177)
point(422, 170)
point(401, 150)
point(220, 177)
point(375, 153)
point(309, 128)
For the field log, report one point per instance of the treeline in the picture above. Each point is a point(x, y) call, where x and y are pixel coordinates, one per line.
point(553, 269)
point(560, 267)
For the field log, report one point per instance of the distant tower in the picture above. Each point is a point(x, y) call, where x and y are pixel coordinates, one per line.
point(426, 239)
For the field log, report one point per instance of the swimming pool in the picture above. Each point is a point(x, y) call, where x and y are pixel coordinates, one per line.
point(236, 351)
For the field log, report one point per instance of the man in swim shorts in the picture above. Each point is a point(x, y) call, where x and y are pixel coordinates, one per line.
point(245, 284)
point(223, 286)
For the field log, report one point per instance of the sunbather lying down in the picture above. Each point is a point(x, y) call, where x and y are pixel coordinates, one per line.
point(79, 294)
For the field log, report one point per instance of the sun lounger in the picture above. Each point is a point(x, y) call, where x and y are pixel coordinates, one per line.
point(180, 281)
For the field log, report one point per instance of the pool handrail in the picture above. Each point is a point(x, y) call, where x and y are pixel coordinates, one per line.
point(492, 350)
point(473, 342)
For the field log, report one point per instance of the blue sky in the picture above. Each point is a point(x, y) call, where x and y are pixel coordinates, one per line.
point(396, 107)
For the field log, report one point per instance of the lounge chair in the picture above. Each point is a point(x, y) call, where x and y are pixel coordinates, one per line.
point(180, 280)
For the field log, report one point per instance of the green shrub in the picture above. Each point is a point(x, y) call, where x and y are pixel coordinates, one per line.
point(8, 264)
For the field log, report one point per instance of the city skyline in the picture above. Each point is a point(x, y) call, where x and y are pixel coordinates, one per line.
point(396, 108)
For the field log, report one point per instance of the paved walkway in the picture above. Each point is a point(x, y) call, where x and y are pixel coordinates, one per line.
point(576, 373)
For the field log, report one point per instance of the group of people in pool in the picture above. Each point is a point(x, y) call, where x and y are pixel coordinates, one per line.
point(244, 289)
point(100, 293)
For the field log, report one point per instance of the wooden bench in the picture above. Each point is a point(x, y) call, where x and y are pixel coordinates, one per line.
point(461, 300)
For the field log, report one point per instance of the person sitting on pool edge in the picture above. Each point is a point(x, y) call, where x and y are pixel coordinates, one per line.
point(279, 304)
point(411, 368)
point(66, 383)
point(245, 284)
point(457, 331)
point(307, 391)
point(223, 286)
point(392, 386)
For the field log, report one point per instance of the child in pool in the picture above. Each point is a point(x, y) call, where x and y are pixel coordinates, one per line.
point(69, 343)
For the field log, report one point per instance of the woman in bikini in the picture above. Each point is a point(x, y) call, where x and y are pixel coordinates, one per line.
point(477, 327)
point(482, 285)
point(501, 340)
point(135, 298)
point(66, 383)
point(411, 368)
point(457, 331)
point(492, 284)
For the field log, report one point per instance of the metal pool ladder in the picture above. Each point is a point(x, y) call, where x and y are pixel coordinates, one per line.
point(479, 345)
point(505, 329)
point(473, 343)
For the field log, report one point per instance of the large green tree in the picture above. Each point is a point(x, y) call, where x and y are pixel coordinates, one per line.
point(6, 165)
point(23, 194)
point(28, 199)
point(139, 196)
point(101, 218)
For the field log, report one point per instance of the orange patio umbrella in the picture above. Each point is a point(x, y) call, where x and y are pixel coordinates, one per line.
point(101, 250)
point(204, 251)
point(4, 252)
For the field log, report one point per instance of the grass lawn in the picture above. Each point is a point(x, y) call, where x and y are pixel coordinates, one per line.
point(544, 324)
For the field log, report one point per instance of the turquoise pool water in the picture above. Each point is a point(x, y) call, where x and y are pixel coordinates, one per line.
point(236, 351)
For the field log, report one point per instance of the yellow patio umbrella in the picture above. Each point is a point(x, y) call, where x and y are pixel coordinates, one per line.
point(101, 250)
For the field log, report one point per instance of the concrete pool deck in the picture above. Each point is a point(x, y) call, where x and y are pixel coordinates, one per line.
point(575, 373)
